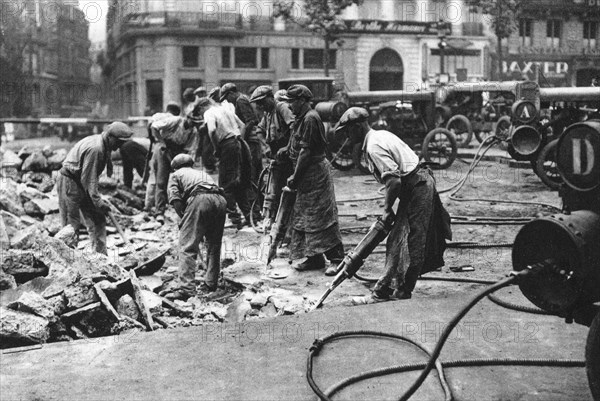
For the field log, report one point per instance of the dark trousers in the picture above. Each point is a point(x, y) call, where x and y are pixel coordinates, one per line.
point(204, 218)
point(161, 165)
point(73, 203)
point(230, 178)
point(281, 170)
point(257, 166)
point(206, 150)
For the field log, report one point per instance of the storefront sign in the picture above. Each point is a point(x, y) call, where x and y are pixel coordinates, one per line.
point(525, 68)
point(391, 27)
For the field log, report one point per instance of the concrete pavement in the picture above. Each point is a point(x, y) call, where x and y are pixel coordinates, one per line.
point(266, 359)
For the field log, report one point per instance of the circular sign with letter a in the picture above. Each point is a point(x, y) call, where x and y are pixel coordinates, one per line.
point(578, 155)
point(524, 111)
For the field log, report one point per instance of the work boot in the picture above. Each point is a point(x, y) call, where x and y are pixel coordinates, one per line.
point(334, 268)
point(315, 262)
point(181, 294)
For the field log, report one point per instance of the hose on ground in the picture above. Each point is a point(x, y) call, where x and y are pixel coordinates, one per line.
point(434, 355)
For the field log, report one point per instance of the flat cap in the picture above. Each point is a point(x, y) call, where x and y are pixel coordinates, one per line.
point(227, 88)
point(198, 91)
point(119, 130)
point(280, 94)
point(297, 92)
point(261, 92)
point(182, 160)
point(352, 115)
point(188, 92)
point(172, 103)
point(215, 94)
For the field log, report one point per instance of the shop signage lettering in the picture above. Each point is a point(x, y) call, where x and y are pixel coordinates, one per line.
point(548, 68)
point(593, 3)
point(395, 27)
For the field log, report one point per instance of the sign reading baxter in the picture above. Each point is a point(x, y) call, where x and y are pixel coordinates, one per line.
point(392, 27)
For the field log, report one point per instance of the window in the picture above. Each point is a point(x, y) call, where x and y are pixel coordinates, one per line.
point(525, 31)
point(313, 59)
point(154, 96)
point(553, 28)
point(264, 58)
point(295, 59)
point(245, 57)
point(590, 33)
point(190, 56)
point(226, 57)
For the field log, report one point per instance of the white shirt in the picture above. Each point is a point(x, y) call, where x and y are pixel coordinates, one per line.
point(388, 155)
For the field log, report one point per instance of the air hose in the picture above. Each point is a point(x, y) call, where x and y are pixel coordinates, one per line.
point(432, 362)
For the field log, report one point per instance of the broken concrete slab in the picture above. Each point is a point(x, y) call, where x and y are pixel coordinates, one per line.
point(8, 158)
point(31, 302)
point(52, 223)
point(22, 328)
point(35, 162)
point(23, 265)
point(80, 294)
point(45, 206)
point(12, 223)
point(126, 306)
point(9, 200)
point(27, 193)
point(7, 281)
point(56, 159)
point(67, 235)
point(150, 226)
point(258, 301)
point(236, 312)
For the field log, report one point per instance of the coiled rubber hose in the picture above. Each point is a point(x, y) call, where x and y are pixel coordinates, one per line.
point(432, 362)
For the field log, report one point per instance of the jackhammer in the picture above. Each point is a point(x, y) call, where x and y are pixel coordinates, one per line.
point(284, 213)
point(355, 258)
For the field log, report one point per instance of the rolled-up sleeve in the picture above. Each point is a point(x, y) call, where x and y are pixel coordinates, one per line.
point(383, 162)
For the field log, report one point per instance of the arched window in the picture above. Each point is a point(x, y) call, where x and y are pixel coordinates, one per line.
point(386, 71)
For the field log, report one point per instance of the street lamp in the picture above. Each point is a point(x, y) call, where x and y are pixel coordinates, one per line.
point(442, 28)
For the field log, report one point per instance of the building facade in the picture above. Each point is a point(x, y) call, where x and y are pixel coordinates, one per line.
point(557, 40)
point(56, 63)
point(156, 48)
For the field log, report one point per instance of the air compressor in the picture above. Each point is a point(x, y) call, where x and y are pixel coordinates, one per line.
point(566, 247)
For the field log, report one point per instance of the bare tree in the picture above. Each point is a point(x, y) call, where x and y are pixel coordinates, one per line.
point(323, 17)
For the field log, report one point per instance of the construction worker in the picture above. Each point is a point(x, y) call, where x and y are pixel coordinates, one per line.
point(172, 135)
point(245, 112)
point(275, 126)
point(204, 150)
point(224, 130)
point(133, 156)
point(420, 216)
point(77, 183)
point(315, 229)
point(200, 204)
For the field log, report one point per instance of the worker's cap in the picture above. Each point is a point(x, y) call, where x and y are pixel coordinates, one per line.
point(351, 116)
point(261, 92)
point(182, 160)
point(280, 94)
point(215, 94)
point(119, 130)
point(188, 92)
point(200, 91)
point(226, 89)
point(297, 92)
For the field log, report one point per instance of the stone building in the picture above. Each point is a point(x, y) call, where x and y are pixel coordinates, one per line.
point(157, 48)
point(56, 61)
point(561, 37)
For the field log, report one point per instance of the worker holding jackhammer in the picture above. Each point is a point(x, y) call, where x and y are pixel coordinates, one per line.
point(77, 183)
point(420, 218)
point(200, 204)
point(314, 222)
point(275, 127)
